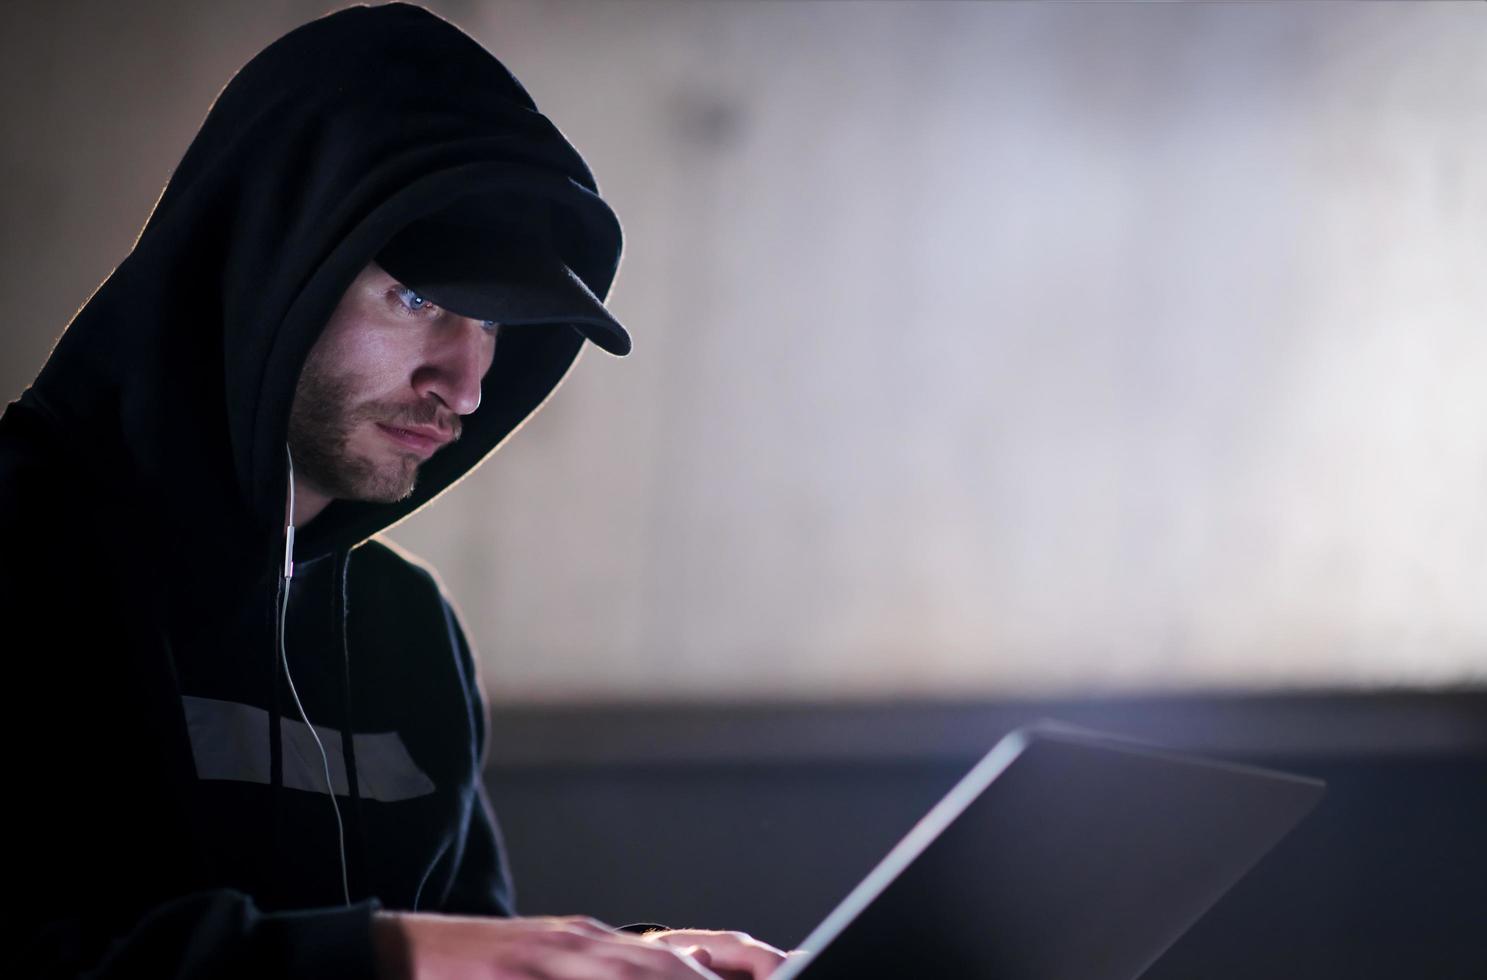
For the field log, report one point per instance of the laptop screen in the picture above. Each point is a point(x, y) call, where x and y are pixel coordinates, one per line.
point(1062, 853)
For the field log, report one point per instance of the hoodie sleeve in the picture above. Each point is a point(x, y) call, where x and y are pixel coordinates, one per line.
point(222, 934)
point(482, 880)
point(481, 883)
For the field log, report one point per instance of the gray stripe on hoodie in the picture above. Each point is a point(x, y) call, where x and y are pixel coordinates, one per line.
point(230, 741)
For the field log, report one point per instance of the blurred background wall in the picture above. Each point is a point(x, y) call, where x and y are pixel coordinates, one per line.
point(1119, 362)
point(981, 349)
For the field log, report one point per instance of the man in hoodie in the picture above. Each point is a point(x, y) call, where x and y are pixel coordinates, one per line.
point(249, 732)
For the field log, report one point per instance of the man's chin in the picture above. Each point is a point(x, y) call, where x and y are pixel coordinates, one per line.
point(387, 493)
point(392, 484)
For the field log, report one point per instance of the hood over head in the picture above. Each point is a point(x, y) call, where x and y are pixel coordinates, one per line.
point(175, 380)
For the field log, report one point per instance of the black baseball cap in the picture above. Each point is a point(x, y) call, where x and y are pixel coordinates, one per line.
point(500, 265)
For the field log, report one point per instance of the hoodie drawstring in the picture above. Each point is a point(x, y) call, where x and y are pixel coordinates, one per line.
point(340, 611)
point(275, 742)
point(354, 870)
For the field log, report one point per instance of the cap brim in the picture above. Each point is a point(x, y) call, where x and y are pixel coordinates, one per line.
point(507, 276)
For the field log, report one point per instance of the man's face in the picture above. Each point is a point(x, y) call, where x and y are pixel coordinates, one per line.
point(387, 359)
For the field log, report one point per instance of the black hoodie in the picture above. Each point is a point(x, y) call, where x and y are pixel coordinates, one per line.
point(171, 807)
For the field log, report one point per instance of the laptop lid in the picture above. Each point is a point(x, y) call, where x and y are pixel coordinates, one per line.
point(1062, 854)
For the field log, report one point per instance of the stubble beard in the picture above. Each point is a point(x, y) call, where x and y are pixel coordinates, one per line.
point(322, 421)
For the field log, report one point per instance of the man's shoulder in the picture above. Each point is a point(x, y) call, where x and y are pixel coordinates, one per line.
point(40, 490)
point(28, 465)
point(400, 583)
point(384, 560)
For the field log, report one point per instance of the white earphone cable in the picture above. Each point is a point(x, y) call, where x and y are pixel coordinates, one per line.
point(284, 658)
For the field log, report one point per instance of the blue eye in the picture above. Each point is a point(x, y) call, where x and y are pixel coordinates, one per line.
point(413, 301)
point(418, 303)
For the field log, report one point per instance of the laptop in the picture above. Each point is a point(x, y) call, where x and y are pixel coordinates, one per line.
point(1064, 854)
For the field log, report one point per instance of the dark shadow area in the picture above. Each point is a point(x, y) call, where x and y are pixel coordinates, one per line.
point(1387, 878)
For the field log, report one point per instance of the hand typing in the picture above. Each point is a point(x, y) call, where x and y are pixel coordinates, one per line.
point(732, 955)
point(420, 946)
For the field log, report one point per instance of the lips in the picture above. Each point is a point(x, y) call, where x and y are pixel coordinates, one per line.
point(423, 441)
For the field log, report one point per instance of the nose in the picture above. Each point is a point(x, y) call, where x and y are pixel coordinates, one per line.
point(455, 361)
